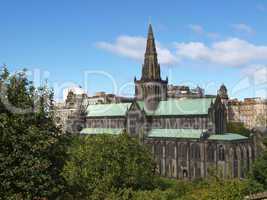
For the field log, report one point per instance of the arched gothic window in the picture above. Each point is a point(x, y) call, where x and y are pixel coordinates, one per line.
point(195, 152)
point(211, 151)
point(158, 149)
point(248, 159)
point(170, 150)
point(183, 151)
point(235, 164)
point(221, 153)
point(243, 161)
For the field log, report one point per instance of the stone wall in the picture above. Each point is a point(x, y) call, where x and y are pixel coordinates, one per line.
point(192, 159)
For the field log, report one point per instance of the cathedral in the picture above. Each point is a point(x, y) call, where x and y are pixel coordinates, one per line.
point(186, 136)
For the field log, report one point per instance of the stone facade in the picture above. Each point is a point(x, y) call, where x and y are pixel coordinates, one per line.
point(182, 91)
point(190, 159)
point(69, 116)
point(252, 112)
point(104, 98)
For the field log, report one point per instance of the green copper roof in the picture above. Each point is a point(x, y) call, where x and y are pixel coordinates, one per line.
point(198, 106)
point(96, 131)
point(102, 110)
point(228, 137)
point(192, 134)
point(175, 133)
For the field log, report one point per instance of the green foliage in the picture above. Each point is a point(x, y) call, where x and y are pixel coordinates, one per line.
point(258, 175)
point(30, 144)
point(261, 120)
point(238, 127)
point(101, 164)
point(218, 189)
point(213, 188)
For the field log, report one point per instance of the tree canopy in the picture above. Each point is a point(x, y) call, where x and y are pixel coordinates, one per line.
point(30, 143)
point(258, 174)
point(238, 127)
point(102, 164)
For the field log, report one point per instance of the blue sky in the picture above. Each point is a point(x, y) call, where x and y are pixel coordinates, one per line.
point(99, 44)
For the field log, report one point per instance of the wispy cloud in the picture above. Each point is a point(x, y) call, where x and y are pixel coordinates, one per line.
point(243, 28)
point(258, 73)
point(198, 29)
point(229, 52)
point(233, 52)
point(134, 47)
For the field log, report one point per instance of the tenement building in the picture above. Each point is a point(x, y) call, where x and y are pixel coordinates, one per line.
point(252, 112)
point(187, 136)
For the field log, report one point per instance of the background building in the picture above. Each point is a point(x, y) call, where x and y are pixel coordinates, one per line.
point(182, 91)
point(251, 111)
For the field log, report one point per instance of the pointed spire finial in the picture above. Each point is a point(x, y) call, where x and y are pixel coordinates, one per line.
point(150, 33)
point(149, 20)
point(150, 46)
point(151, 68)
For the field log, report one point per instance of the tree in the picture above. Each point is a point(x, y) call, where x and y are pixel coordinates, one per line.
point(261, 120)
point(259, 171)
point(238, 127)
point(217, 188)
point(31, 148)
point(99, 165)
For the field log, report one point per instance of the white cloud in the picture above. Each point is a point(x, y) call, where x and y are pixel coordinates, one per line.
point(243, 28)
point(134, 48)
point(131, 47)
point(233, 52)
point(230, 52)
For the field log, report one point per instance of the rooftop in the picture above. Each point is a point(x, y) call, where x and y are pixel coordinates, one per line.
point(199, 106)
point(228, 137)
point(97, 131)
point(167, 133)
point(175, 133)
point(108, 110)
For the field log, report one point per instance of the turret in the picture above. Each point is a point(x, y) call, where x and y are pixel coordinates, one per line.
point(222, 92)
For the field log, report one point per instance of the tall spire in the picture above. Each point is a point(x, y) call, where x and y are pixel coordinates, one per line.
point(151, 87)
point(150, 45)
point(151, 68)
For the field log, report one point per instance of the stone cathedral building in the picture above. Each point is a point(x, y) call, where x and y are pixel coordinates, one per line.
point(187, 136)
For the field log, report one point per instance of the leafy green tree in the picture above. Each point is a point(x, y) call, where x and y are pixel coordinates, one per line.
point(238, 127)
point(217, 188)
point(101, 164)
point(261, 120)
point(259, 171)
point(31, 148)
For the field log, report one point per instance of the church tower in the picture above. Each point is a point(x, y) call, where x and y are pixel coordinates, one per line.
point(151, 88)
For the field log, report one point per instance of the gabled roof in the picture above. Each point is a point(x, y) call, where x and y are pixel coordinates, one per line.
point(198, 106)
point(175, 133)
point(108, 110)
point(99, 131)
